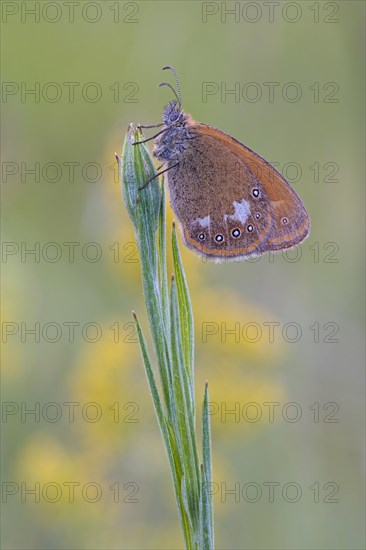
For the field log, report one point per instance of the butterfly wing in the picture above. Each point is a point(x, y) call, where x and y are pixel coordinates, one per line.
point(230, 201)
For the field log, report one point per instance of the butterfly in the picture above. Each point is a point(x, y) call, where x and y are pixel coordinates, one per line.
point(230, 202)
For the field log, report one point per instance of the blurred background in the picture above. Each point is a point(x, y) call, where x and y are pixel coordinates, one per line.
point(280, 338)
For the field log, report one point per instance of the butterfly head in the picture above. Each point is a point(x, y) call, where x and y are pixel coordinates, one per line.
point(173, 113)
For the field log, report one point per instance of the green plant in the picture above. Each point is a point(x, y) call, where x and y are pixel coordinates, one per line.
point(171, 325)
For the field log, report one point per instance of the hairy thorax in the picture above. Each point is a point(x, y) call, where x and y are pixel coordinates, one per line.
point(171, 144)
point(176, 134)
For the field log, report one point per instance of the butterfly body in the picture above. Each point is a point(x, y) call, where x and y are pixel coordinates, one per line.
point(230, 202)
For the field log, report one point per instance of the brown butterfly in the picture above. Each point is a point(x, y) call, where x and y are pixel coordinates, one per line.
point(230, 202)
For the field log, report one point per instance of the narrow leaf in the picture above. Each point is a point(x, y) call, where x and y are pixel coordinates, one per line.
point(184, 427)
point(166, 431)
point(162, 258)
point(207, 534)
point(143, 204)
point(185, 314)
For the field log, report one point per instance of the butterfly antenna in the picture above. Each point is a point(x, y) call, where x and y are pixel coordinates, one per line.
point(172, 89)
point(176, 81)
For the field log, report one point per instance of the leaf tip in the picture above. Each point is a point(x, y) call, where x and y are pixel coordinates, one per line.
point(130, 132)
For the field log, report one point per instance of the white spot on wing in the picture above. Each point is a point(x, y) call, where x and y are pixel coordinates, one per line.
point(242, 211)
point(204, 222)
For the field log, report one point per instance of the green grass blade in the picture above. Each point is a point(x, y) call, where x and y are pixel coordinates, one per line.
point(162, 258)
point(143, 205)
point(185, 314)
point(166, 432)
point(184, 426)
point(207, 532)
point(136, 168)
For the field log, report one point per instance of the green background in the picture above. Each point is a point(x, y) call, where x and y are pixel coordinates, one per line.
point(314, 295)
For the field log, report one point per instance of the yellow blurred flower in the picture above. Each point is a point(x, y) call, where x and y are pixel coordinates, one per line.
point(108, 380)
point(230, 330)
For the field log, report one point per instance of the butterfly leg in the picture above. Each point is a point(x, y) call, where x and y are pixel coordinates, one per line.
point(150, 138)
point(156, 175)
point(152, 126)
